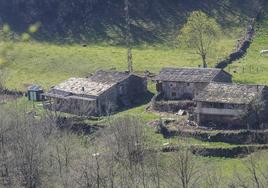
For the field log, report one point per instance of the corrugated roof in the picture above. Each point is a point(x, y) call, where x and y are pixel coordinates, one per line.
point(229, 93)
point(188, 74)
point(35, 88)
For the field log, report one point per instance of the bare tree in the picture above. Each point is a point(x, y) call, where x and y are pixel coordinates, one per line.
point(63, 156)
point(256, 172)
point(22, 149)
point(213, 177)
point(5, 168)
point(156, 169)
point(126, 156)
point(184, 169)
point(94, 170)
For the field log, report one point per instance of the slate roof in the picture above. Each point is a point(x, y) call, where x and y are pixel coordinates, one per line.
point(188, 74)
point(90, 87)
point(80, 86)
point(229, 93)
point(105, 76)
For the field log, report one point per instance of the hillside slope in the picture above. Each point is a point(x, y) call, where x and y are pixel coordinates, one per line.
point(103, 20)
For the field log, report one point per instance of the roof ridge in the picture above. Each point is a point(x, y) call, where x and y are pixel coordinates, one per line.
point(201, 68)
point(234, 83)
point(188, 74)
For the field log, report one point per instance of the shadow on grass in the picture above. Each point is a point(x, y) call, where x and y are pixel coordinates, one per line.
point(84, 21)
point(77, 125)
point(139, 101)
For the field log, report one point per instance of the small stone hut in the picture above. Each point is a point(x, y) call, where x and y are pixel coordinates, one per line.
point(99, 94)
point(227, 105)
point(186, 83)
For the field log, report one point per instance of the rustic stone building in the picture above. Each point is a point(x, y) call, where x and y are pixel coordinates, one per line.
point(227, 105)
point(99, 94)
point(186, 83)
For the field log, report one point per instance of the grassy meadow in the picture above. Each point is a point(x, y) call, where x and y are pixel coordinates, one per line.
point(48, 64)
point(253, 68)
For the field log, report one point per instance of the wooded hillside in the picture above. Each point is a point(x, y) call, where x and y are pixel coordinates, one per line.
point(103, 20)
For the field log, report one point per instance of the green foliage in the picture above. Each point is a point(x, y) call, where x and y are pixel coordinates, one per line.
point(25, 37)
point(199, 33)
point(34, 28)
point(95, 20)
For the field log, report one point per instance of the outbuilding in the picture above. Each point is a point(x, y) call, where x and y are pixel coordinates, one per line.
point(100, 94)
point(35, 93)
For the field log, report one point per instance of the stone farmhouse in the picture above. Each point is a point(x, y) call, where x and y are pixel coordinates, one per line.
point(186, 83)
point(230, 105)
point(99, 94)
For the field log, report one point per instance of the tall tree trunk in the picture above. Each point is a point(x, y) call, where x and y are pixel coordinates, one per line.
point(204, 60)
point(129, 60)
point(128, 36)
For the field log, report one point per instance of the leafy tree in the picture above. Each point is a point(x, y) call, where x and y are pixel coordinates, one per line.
point(200, 32)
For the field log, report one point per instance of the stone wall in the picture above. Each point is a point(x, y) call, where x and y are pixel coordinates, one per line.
point(108, 102)
point(11, 92)
point(135, 87)
point(230, 152)
point(231, 137)
point(173, 106)
point(181, 90)
point(242, 45)
point(222, 121)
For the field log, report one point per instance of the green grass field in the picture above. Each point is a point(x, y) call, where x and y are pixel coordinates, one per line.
point(253, 68)
point(48, 64)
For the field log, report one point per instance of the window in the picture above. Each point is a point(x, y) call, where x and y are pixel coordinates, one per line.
point(188, 84)
point(218, 105)
point(173, 94)
point(172, 85)
point(231, 106)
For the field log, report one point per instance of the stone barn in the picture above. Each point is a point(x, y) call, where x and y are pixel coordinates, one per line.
point(235, 106)
point(99, 94)
point(186, 83)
